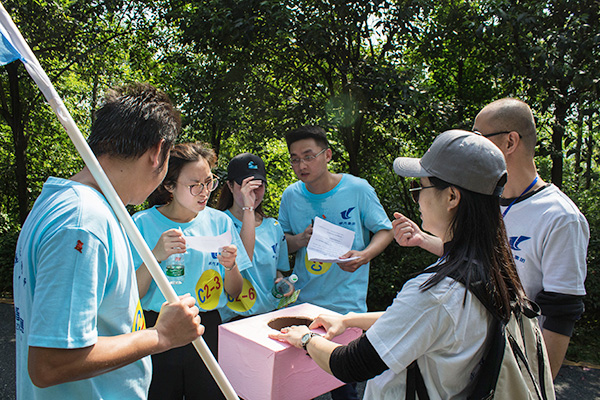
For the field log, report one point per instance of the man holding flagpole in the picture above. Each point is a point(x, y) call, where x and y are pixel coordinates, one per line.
point(79, 325)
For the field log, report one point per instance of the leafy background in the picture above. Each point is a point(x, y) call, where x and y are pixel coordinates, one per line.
point(383, 77)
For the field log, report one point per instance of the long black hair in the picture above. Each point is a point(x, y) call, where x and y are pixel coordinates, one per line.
point(479, 250)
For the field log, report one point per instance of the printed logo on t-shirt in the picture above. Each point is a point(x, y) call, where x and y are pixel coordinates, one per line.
point(79, 246)
point(245, 300)
point(515, 241)
point(139, 322)
point(315, 267)
point(346, 213)
point(208, 290)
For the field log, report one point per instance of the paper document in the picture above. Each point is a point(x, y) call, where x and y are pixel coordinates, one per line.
point(208, 244)
point(328, 242)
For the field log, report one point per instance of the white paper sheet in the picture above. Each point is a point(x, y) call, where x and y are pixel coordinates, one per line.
point(328, 242)
point(208, 244)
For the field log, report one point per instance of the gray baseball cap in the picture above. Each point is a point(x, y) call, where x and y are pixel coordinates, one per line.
point(461, 158)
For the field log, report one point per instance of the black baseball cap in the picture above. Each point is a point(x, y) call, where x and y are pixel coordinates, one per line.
point(245, 165)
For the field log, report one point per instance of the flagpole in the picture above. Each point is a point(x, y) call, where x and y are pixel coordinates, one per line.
point(41, 79)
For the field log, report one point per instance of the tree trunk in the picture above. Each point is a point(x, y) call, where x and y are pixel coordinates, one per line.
point(589, 151)
point(19, 140)
point(558, 132)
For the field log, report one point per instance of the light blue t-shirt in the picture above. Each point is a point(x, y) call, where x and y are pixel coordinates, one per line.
point(270, 255)
point(203, 272)
point(352, 204)
point(73, 282)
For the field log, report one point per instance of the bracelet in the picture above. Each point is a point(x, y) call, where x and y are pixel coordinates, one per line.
point(230, 268)
point(248, 208)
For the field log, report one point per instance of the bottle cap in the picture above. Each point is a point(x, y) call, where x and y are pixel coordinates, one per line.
point(293, 278)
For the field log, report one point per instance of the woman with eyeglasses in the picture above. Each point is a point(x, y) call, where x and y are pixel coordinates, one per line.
point(241, 199)
point(433, 320)
point(179, 209)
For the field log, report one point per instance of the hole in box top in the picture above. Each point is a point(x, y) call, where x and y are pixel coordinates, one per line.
point(283, 322)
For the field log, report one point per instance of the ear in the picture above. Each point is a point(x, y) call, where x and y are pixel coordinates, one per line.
point(230, 185)
point(512, 142)
point(453, 198)
point(169, 188)
point(155, 153)
point(328, 154)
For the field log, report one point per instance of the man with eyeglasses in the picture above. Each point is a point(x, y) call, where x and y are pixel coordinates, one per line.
point(341, 199)
point(547, 233)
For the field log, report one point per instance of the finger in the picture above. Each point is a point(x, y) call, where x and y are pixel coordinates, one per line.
point(317, 323)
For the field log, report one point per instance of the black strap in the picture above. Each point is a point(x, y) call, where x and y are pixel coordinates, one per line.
point(415, 383)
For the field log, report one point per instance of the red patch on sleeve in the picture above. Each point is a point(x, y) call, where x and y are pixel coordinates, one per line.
point(79, 246)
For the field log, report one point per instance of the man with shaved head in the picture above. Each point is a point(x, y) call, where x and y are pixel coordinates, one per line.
point(547, 233)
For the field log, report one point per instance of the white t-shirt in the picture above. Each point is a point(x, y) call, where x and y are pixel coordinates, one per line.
point(446, 338)
point(548, 237)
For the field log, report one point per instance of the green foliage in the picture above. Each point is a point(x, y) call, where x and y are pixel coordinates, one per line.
point(9, 233)
point(383, 77)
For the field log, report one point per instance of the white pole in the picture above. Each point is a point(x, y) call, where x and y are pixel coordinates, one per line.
point(41, 79)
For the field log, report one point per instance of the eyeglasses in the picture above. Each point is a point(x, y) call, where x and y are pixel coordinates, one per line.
point(415, 190)
point(489, 135)
point(198, 188)
point(307, 159)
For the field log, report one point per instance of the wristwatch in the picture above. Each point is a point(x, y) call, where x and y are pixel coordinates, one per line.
point(306, 338)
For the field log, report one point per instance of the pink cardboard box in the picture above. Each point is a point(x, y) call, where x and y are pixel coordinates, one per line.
point(262, 368)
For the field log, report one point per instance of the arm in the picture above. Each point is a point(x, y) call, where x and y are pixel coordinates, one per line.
point(233, 280)
point(408, 234)
point(296, 242)
point(560, 312)
point(178, 325)
point(378, 243)
point(170, 242)
point(556, 345)
point(357, 361)
point(248, 231)
point(335, 325)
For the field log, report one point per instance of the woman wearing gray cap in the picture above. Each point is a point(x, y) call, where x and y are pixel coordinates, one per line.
point(433, 320)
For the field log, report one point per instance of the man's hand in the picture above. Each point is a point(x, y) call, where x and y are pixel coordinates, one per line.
point(296, 242)
point(353, 265)
point(178, 323)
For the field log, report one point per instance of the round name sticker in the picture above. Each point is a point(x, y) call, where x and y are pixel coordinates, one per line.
point(208, 290)
point(139, 322)
point(245, 300)
point(314, 267)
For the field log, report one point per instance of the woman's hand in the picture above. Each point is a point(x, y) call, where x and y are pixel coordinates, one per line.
point(170, 242)
point(291, 334)
point(248, 187)
point(227, 256)
point(333, 325)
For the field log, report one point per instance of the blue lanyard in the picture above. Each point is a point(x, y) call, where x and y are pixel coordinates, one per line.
point(521, 195)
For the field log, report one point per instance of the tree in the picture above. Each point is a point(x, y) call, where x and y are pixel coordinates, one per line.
point(552, 47)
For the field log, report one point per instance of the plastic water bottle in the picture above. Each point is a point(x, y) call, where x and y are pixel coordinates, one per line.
point(176, 269)
point(283, 286)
